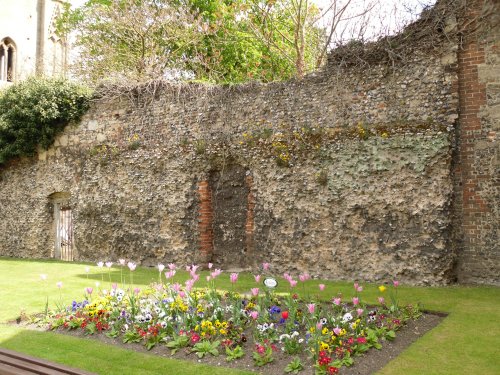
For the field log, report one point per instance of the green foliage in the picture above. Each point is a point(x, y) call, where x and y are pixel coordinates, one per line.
point(205, 347)
point(179, 342)
point(262, 359)
point(210, 40)
point(294, 366)
point(131, 336)
point(34, 111)
point(234, 354)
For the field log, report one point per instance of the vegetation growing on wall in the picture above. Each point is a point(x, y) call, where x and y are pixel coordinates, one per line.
point(33, 112)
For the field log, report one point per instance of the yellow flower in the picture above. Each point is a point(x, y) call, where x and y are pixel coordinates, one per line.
point(382, 288)
point(223, 332)
point(324, 346)
point(312, 329)
point(324, 331)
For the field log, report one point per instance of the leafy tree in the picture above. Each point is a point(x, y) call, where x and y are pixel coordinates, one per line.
point(214, 40)
point(34, 111)
point(135, 39)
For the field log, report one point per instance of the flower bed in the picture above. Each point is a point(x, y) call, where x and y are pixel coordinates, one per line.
point(197, 318)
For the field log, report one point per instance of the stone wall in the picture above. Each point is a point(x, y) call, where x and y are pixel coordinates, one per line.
point(345, 174)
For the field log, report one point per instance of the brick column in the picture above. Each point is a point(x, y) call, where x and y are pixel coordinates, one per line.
point(473, 172)
point(205, 223)
point(250, 223)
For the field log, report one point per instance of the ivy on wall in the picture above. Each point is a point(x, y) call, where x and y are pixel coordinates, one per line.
point(34, 111)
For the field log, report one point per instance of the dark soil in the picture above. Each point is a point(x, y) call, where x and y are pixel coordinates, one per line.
point(369, 363)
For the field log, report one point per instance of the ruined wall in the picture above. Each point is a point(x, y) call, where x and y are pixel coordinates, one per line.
point(345, 174)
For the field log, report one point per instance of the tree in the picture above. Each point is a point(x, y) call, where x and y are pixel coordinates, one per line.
point(214, 40)
point(134, 39)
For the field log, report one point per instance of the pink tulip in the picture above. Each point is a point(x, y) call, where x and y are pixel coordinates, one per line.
point(172, 266)
point(265, 266)
point(161, 267)
point(306, 276)
point(195, 277)
point(319, 325)
point(355, 301)
point(216, 272)
point(287, 277)
point(255, 292)
point(194, 268)
point(109, 264)
point(359, 312)
point(233, 277)
point(321, 287)
point(89, 290)
point(254, 315)
point(136, 290)
point(381, 300)
point(257, 278)
point(311, 307)
point(114, 286)
point(293, 283)
point(189, 284)
point(302, 278)
point(337, 331)
point(59, 284)
point(100, 264)
point(131, 266)
point(337, 301)
point(121, 261)
point(182, 294)
point(170, 274)
point(395, 283)
point(210, 265)
point(356, 285)
point(360, 289)
point(176, 287)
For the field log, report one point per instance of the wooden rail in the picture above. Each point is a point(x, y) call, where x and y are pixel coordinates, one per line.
point(14, 363)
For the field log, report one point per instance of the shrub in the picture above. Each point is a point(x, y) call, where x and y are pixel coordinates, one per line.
point(34, 111)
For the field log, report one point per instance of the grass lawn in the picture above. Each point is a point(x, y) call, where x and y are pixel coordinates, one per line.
point(467, 342)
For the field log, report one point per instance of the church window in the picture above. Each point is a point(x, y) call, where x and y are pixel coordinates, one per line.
point(7, 60)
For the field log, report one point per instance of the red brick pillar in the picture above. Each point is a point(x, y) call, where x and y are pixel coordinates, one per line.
point(250, 223)
point(472, 173)
point(205, 223)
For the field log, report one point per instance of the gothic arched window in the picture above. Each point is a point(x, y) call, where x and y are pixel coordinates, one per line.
point(7, 60)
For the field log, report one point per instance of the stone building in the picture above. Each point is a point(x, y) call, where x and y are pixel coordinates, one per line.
point(28, 41)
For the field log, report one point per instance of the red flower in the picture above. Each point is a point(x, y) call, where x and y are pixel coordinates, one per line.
point(361, 340)
point(333, 370)
point(284, 315)
point(195, 338)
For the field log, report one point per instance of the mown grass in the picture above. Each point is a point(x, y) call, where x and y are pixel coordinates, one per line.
point(466, 342)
